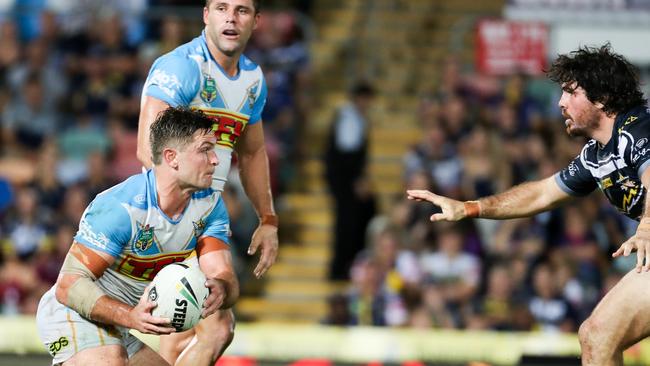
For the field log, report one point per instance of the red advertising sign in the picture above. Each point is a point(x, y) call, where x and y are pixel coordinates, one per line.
point(506, 47)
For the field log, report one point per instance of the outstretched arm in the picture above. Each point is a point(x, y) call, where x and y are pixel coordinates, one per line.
point(254, 173)
point(523, 200)
point(640, 241)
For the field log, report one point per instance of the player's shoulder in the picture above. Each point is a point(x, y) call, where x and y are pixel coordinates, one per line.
point(635, 120)
point(191, 48)
point(208, 200)
point(248, 65)
point(182, 55)
point(131, 192)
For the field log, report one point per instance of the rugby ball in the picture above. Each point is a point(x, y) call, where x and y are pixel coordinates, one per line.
point(179, 291)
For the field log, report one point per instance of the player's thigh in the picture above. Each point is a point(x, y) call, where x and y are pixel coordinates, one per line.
point(67, 334)
point(112, 355)
point(622, 317)
point(147, 357)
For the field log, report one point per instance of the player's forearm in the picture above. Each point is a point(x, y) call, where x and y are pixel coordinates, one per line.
point(108, 310)
point(231, 287)
point(82, 295)
point(254, 173)
point(520, 201)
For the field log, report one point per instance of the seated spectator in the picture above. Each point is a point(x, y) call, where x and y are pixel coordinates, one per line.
point(493, 310)
point(76, 144)
point(46, 182)
point(27, 229)
point(369, 302)
point(456, 271)
point(437, 157)
point(28, 120)
point(551, 312)
point(49, 260)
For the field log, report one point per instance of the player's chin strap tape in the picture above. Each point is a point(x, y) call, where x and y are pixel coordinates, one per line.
point(84, 292)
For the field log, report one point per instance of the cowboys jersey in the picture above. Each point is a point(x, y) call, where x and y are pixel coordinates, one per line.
point(189, 76)
point(126, 222)
point(616, 168)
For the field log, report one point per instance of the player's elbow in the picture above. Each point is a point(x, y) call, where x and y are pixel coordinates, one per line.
point(63, 284)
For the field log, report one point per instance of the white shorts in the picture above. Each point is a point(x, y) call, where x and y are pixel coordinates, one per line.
point(65, 333)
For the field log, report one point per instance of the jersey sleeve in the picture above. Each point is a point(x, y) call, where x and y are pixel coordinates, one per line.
point(575, 179)
point(638, 135)
point(105, 226)
point(174, 79)
point(217, 223)
point(258, 107)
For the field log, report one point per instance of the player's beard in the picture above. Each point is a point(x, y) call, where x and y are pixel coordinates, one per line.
point(585, 124)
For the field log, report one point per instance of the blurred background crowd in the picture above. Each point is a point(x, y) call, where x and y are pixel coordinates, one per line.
point(71, 74)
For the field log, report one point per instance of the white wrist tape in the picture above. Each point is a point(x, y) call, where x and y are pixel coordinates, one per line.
point(84, 292)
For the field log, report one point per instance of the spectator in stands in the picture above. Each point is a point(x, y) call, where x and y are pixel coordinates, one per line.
point(29, 119)
point(367, 298)
point(494, 309)
point(27, 229)
point(550, 310)
point(436, 156)
point(454, 272)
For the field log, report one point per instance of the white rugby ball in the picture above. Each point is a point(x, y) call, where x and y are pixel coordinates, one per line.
point(179, 291)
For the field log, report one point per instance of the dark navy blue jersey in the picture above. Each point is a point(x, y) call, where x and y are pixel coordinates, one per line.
point(616, 168)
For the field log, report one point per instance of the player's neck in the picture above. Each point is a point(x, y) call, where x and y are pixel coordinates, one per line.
point(605, 129)
point(229, 64)
point(172, 199)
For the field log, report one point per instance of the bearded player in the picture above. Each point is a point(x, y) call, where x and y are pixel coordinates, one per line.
point(601, 100)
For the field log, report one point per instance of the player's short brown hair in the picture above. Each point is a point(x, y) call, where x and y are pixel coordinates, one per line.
point(175, 127)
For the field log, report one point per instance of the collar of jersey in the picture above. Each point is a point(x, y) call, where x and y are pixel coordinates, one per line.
point(619, 123)
point(206, 50)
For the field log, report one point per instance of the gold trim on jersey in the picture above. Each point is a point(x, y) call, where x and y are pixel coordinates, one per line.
point(145, 268)
point(229, 125)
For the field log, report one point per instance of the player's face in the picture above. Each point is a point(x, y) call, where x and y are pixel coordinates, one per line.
point(229, 24)
point(198, 160)
point(582, 117)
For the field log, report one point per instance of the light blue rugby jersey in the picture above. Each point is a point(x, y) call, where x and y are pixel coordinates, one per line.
point(189, 76)
point(126, 222)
